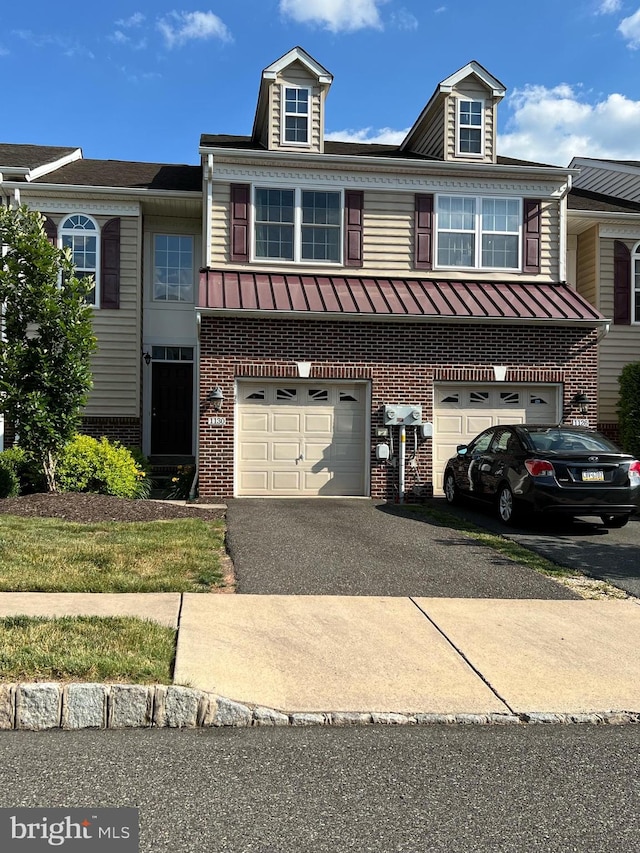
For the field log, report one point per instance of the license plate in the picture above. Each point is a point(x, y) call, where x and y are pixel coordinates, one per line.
point(593, 476)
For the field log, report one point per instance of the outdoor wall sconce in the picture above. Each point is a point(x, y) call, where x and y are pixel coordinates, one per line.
point(147, 357)
point(216, 397)
point(580, 401)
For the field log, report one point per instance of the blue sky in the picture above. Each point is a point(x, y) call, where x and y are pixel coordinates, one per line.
point(142, 80)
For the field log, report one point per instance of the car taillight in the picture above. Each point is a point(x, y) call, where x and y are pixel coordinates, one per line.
point(634, 473)
point(539, 467)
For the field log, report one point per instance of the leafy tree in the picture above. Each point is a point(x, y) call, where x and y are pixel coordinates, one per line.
point(47, 339)
point(629, 408)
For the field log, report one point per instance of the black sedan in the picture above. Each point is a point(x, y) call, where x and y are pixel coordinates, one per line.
point(546, 469)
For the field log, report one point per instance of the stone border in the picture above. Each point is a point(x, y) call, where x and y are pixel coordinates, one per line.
point(51, 705)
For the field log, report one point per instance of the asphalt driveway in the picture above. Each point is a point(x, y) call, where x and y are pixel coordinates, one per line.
point(583, 544)
point(363, 547)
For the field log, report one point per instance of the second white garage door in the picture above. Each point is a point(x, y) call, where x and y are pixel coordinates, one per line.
point(301, 439)
point(460, 412)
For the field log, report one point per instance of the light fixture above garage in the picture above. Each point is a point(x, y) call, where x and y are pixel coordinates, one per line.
point(581, 401)
point(216, 397)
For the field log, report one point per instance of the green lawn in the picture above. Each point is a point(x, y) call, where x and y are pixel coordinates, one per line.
point(85, 648)
point(49, 555)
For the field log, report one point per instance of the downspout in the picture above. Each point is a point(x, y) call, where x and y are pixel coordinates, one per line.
point(194, 482)
point(208, 224)
point(562, 266)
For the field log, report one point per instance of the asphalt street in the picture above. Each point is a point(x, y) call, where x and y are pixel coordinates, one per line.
point(539, 789)
point(363, 547)
point(584, 544)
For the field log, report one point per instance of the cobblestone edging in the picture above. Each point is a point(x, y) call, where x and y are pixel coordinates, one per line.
point(50, 705)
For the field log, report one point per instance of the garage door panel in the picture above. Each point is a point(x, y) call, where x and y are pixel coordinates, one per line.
point(462, 411)
point(302, 439)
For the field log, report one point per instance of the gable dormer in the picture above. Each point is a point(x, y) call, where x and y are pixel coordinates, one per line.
point(460, 121)
point(290, 112)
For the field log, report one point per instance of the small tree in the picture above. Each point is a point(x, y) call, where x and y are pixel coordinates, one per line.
point(47, 338)
point(629, 408)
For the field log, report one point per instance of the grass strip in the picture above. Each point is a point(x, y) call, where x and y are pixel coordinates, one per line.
point(50, 555)
point(86, 648)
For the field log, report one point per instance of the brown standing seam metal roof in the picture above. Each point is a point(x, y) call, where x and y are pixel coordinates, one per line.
point(392, 298)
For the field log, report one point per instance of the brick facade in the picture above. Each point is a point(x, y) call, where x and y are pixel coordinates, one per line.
point(400, 360)
point(127, 431)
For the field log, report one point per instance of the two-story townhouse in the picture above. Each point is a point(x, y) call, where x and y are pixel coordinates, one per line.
point(343, 278)
point(604, 251)
point(137, 229)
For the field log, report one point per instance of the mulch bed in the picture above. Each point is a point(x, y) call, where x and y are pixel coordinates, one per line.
point(94, 508)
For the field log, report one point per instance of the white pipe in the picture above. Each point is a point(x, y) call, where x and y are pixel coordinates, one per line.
point(403, 442)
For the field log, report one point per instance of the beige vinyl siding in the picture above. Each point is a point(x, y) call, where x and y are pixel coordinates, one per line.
point(469, 90)
point(388, 239)
point(587, 265)
point(295, 75)
point(619, 347)
point(116, 363)
point(431, 140)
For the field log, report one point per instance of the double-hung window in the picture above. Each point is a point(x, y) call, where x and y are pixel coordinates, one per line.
point(470, 127)
point(635, 283)
point(173, 268)
point(296, 115)
point(79, 233)
point(478, 232)
point(297, 225)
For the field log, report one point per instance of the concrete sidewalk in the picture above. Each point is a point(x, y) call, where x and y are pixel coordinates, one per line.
point(412, 655)
point(353, 654)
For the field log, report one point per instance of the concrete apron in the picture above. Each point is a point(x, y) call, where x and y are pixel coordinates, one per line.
point(306, 654)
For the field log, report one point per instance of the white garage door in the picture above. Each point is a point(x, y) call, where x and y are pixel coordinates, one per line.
point(301, 439)
point(460, 412)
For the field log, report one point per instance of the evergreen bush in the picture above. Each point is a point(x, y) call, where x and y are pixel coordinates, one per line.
point(91, 465)
point(629, 408)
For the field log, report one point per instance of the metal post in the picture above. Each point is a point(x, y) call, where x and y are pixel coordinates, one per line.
point(401, 461)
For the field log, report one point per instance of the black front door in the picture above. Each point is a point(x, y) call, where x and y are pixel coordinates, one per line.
point(172, 408)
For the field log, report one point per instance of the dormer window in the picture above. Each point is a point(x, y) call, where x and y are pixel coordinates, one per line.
point(296, 115)
point(470, 127)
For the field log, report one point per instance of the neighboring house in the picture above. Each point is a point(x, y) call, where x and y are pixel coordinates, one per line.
point(338, 281)
point(340, 277)
point(604, 250)
point(137, 228)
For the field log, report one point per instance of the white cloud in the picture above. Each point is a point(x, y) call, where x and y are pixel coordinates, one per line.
point(66, 46)
point(134, 21)
point(181, 27)
point(3, 51)
point(608, 7)
point(440, 10)
point(335, 15)
point(404, 20)
point(554, 125)
point(630, 29)
point(382, 135)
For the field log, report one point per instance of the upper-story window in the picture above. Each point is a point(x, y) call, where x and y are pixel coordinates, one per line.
point(297, 225)
point(79, 233)
point(469, 139)
point(478, 232)
point(296, 115)
point(173, 268)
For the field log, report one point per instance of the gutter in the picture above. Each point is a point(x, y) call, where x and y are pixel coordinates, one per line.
point(83, 188)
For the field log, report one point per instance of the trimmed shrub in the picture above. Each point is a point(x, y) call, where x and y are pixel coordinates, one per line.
point(89, 465)
point(9, 483)
point(28, 472)
point(629, 408)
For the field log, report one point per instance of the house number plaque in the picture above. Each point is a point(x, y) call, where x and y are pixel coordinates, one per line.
point(216, 421)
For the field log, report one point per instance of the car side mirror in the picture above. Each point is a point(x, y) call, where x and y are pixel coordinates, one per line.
point(461, 449)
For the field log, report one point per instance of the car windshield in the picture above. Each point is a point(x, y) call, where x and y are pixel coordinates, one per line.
point(570, 441)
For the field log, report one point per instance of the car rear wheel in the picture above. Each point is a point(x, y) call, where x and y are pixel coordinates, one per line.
point(613, 521)
point(451, 492)
point(506, 504)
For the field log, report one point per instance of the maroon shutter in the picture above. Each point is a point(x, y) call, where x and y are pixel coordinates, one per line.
point(621, 284)
point(110, 265)
point(423, 232)
point(353, 207)
point(51, 231)
point(532, 210)
point(240, 222)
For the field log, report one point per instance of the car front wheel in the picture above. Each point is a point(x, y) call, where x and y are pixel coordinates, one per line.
point(450, 489)
point(613, 521)
point(506, 505)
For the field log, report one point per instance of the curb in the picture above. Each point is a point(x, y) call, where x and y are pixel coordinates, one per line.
point(52, 705)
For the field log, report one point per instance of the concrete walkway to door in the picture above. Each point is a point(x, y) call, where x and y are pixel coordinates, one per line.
point(362, 547)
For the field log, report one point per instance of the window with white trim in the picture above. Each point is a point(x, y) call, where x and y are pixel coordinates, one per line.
point(297, 112)
point(173, 268)
point(469, 139)
point(80, 234)
point(478, 232)
point(635, 283)
point(297, 225)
